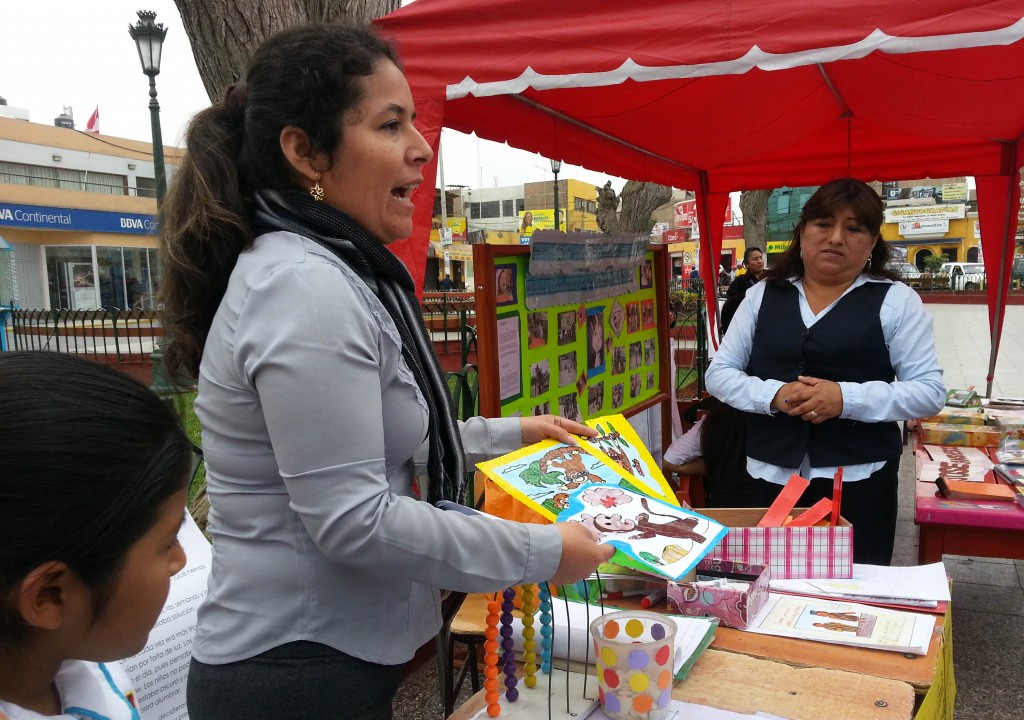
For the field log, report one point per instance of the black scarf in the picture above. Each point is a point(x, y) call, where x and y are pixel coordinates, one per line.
point(388, 278)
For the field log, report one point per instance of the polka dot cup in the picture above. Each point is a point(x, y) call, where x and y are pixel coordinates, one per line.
point(634, 652)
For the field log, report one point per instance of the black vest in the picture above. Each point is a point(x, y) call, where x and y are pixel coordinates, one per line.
point(845, 345)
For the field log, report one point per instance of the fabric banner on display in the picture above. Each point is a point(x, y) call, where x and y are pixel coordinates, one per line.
point(567, 269)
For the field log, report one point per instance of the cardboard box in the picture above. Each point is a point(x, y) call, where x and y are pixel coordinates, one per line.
point(789, 552)
point(962, 435)
point(735, 605)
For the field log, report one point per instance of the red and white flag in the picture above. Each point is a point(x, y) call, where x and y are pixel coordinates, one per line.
point(93, 126)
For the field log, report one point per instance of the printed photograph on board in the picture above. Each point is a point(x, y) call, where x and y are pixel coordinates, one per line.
point(567, 327)
point(595, 341)
point(636, 355)
point(618, 395)
point(569, 407)
point(634, 385)
point(505, 285)
point(646, 274)
point(618, 360)
point(595, 398)
point(540, 378)
point(649, 351)
point(632, 317)
point(543, 409)
point(647, 314)
point(566, 369)
point(537, 329)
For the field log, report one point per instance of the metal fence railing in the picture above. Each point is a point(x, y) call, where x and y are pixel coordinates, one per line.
point(451, 320)
point(109, 335)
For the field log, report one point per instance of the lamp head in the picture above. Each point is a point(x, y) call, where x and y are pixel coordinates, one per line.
point(556, 165)
point(149, 38)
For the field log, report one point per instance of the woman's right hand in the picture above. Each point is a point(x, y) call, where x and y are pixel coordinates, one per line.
point(580, 554)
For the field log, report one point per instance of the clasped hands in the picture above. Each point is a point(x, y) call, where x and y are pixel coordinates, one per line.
point(813, 399)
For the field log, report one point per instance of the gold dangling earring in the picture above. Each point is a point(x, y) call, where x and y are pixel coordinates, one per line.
point(316, 191)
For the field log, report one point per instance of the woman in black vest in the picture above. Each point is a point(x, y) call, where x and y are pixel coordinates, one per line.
point(825, 358)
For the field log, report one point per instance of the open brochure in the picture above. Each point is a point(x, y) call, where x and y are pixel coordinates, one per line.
point(844, 623)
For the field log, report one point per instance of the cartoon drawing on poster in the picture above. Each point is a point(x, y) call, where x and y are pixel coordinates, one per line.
point(667, 540)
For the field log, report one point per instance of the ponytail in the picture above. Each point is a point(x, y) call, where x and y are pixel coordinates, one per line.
point(203, 228)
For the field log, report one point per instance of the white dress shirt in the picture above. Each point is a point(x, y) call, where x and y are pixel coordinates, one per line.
point(918, 390)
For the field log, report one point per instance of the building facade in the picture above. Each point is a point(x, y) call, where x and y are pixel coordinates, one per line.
point(78, 218)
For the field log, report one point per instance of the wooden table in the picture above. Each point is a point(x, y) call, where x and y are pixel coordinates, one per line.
point(799, 679)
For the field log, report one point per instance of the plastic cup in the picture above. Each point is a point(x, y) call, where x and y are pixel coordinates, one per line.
point(634, 652)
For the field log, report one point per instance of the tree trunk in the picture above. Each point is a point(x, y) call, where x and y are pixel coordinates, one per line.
point(754, 206)
point(637, 201)
point(224, 33)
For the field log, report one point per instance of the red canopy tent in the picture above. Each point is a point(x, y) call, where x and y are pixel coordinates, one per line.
point(724, 95)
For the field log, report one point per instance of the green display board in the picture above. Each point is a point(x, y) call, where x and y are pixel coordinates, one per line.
point(579, 361)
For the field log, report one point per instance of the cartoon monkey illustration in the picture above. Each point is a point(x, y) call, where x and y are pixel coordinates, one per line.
point(569, 460)
point(679, 528)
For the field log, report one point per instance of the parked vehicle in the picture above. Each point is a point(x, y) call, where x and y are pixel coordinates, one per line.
point(964, 276)
point(1017, 273)
point(907, 272)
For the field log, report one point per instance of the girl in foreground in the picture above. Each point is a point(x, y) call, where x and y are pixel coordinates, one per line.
point(92, 494)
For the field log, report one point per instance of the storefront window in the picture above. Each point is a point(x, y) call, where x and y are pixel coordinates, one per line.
point(122, 278)
point(71, 278)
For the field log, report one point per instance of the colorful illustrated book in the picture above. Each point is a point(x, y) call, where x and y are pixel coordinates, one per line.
point(542, 476)
point(650, 534)
point(618, 442)
point(844, 623)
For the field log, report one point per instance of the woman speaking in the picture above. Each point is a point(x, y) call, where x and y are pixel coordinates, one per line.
point(826, 357)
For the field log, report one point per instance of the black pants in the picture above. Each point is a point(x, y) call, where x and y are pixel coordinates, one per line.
point(869, 504)
point(298, 680)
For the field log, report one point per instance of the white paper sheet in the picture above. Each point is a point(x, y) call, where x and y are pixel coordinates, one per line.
point(917, 582)
point(160, 671)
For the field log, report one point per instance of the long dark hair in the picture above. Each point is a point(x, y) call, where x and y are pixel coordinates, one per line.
point(306, 77)
point(829, 199)
point(88, 456)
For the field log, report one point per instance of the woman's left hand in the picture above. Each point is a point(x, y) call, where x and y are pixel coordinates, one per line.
point(537, 428)
point(817, 400)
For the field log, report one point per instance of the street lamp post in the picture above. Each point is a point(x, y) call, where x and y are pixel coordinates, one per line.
point(556, 165)
point(149, 38)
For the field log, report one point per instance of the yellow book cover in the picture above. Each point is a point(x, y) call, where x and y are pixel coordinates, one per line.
point(618, 443)
point(542, 476)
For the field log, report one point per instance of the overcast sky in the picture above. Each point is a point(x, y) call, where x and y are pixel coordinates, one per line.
point(57, 53)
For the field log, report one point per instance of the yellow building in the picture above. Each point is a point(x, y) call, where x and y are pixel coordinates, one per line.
point(950, 229)
point(78, 217)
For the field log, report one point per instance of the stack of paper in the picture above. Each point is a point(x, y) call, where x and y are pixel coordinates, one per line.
point(917, 586)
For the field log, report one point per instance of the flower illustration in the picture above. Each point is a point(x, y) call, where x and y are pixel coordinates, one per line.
point(607, 497)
